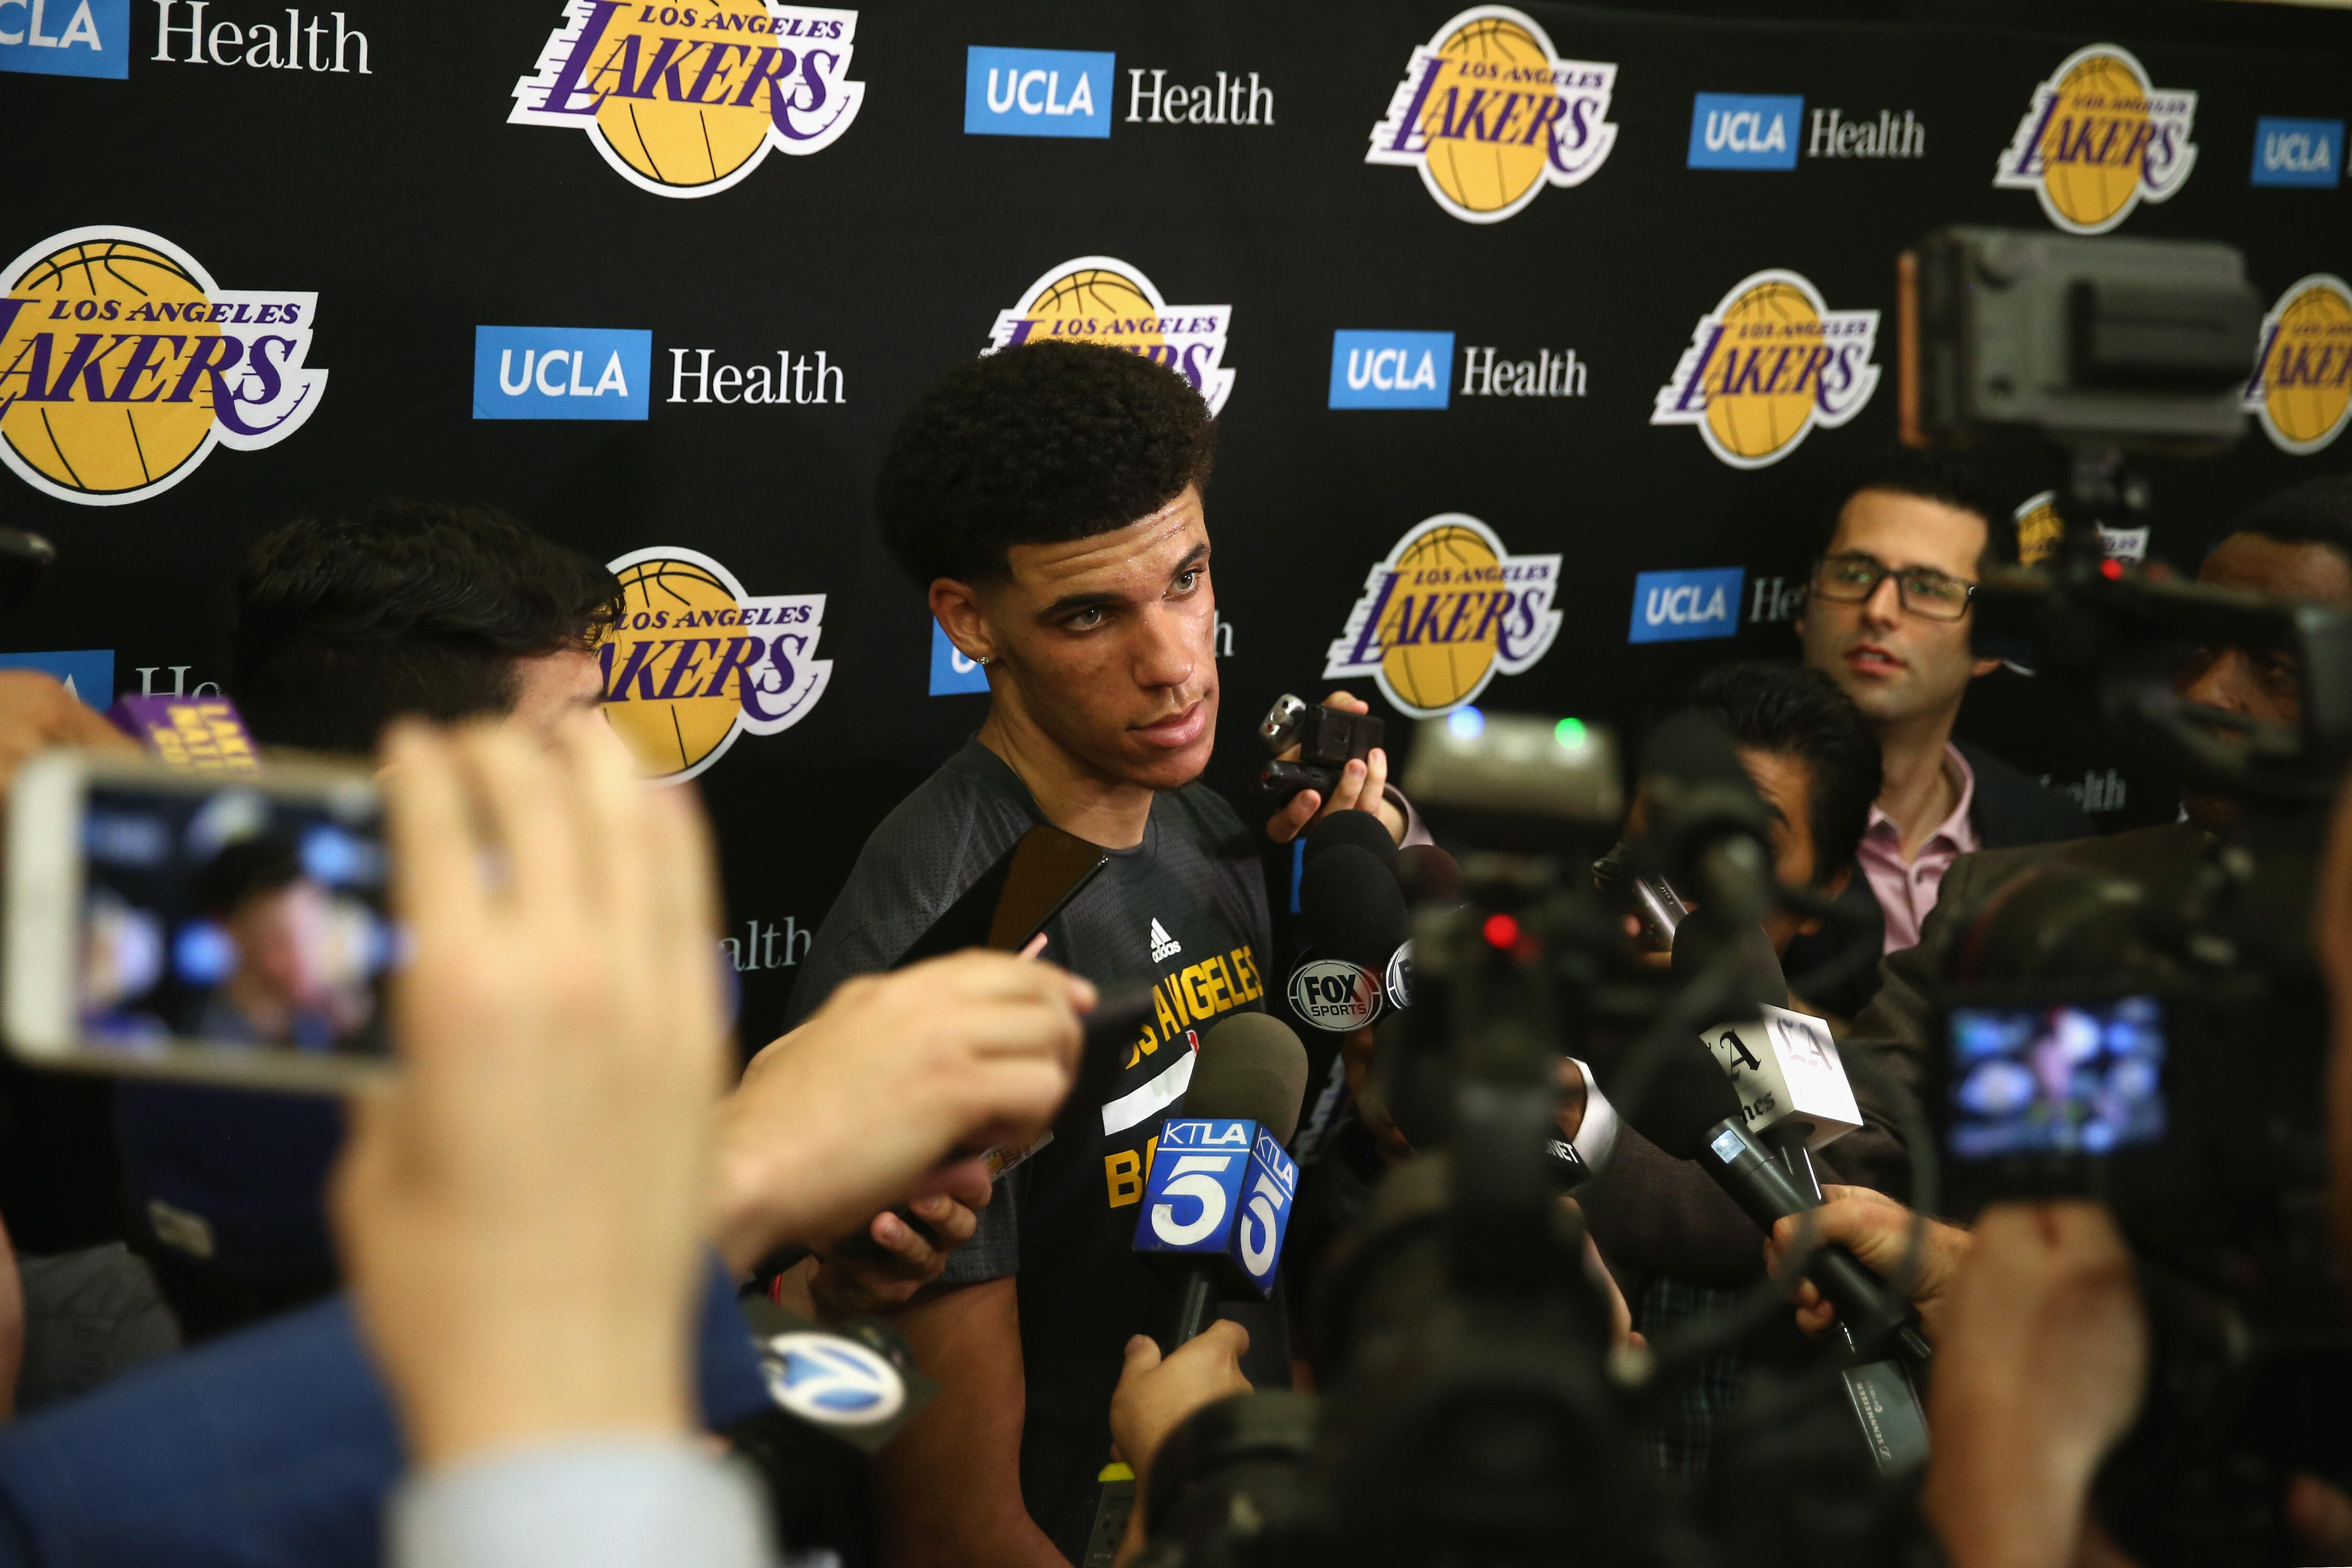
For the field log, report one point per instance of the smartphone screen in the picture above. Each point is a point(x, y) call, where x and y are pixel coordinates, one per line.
point(2064, 1078)
point(234, 916)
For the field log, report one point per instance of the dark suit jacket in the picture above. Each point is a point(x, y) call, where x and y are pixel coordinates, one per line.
point(2007, 809)
point(269, 1447)
point(1895, 1032)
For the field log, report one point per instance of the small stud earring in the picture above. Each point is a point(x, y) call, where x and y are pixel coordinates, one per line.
point(983, 658)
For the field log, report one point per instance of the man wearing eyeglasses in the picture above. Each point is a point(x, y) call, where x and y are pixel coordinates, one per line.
point(1887, 618)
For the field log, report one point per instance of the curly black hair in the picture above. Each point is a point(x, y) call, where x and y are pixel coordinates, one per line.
point(1794, 711)
point(1038, 443)
point(403, 607)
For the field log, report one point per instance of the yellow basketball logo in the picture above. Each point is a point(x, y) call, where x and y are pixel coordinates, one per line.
point(1490, 115)
point(2039, 529)
point(2302, 386)
point(1767, 364)
point(1446, 612)
point(694, 660)
point(2097, 139)
point(1102, 299)
point(684, 101)
point(123, 365)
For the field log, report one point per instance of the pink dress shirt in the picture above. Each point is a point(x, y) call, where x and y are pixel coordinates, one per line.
point(1907, 891)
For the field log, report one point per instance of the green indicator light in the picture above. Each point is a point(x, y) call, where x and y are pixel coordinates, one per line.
point(1570, 733)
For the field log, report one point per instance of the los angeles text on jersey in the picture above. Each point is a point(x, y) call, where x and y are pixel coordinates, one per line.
point(1185, 1000)
point(1196, 994)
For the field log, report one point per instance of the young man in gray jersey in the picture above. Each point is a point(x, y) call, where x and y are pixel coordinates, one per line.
point(1049, 498)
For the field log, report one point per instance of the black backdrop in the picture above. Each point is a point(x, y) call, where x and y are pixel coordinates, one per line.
point(417, 213)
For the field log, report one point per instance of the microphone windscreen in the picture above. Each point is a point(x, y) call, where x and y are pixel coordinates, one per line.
point(1361, 828)
point(1429, 876)
point(1252, 1068)
point(1352, 907)
point(1694, 750)
point(1686, 1095)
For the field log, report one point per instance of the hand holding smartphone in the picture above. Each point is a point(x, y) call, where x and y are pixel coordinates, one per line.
point(225, 928)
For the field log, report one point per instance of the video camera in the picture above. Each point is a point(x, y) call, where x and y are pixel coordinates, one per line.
point(2146, 1025)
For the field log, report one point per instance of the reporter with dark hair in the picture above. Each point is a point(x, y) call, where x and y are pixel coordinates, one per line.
point(340, 626)
point(1678, 1246)
point(409, 608)
point(1887, 616)
point(1814, 763)
point(1048, 499)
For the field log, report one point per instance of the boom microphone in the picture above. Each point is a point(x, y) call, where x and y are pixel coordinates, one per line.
point(1693, 1113)
point(1221, 1188)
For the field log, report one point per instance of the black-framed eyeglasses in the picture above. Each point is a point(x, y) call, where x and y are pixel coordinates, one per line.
point(1852, 577)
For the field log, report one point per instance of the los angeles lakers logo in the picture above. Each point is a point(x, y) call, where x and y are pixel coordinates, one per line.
point(1446, 612)
point(2039, 528)
point(684, 101)
point(123, 365)
point(1490, 115)
point(1102, 299)
point(2098, 139)
point(2302, 386)
point(696, 661)
point(1767, 364)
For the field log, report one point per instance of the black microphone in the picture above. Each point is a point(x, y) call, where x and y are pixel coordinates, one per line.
point(1706, 818)
point(1361, 828)
point(1353, 916)
point(1693, 1113)
point(1253, 1069)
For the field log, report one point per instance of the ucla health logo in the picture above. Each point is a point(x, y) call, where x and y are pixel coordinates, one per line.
point(86, 673)
point(123, 365)
point(1767, 364)
point(684, 101)
point(1743, 130)
point(1391, 370)
point(832, 1380)
point(66, 37)
point(1447, 611)
point(695, 661)
point(1490, 115)
point(1102, 299)
point(562, 373)
point(2298, 153)
point(1036, 92)
point(2097, 139)
point(1681, 606)
point(2302, 386)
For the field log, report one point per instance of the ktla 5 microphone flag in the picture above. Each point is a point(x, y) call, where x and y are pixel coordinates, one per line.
point(1537, 335)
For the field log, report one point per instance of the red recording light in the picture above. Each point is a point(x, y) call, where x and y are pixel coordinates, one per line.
point(2112, 571)
point(1502, 930)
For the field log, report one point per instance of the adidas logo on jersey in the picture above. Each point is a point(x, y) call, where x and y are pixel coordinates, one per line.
point(1163, 946)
